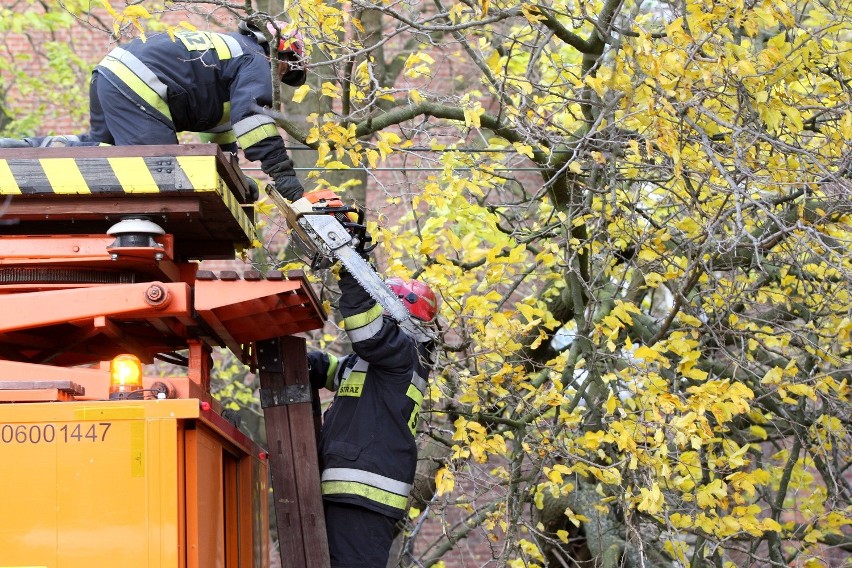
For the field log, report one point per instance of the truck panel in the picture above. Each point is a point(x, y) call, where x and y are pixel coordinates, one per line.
point(95, 480)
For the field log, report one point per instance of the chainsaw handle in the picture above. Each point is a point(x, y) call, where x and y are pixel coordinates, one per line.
point(325, 196)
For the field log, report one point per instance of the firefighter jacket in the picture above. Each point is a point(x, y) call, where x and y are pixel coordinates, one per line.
point(367, 450)
point(202, 82)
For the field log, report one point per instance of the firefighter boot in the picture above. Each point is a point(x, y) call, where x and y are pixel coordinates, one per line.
point(53, 141)
point(13, 143)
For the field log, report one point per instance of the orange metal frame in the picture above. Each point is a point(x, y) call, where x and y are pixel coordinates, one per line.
point(153, 300)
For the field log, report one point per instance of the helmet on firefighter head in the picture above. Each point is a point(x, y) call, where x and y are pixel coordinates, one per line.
point(418, 298)
point(291, 48)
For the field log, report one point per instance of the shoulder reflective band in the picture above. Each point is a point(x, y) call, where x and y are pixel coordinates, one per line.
point(139, 78)
point(419, 383)
point(373, 486)
point(360, 365)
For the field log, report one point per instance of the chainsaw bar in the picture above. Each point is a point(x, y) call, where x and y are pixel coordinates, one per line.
point(329, 239)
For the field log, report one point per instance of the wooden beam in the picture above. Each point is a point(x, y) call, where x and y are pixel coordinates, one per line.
point(286, 397)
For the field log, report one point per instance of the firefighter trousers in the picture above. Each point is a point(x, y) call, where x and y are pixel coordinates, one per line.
point(357, 537)
point(121, 119)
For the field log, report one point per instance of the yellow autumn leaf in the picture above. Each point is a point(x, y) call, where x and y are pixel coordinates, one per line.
point(689, 320)
point(538, 499)
point(300, 93)
point(136, 11)
point(331, 90)
point(758, 431)
point(372, 157)
point(444, 481)
point(110, 10)
point(646, 353)
point(611, 403)
point(708, 495)
point(773, 376)
point(471, 116)
point(680, 521)
point(529, 312)
point(524, 149)
point(802, 390)
point(651, 500)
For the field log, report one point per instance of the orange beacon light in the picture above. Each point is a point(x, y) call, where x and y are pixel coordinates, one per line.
point(125, 376)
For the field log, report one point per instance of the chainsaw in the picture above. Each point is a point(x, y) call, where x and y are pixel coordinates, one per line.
point(323, 230)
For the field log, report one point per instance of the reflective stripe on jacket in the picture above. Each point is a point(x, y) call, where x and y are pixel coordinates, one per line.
point(202, 82)
point(367, 450)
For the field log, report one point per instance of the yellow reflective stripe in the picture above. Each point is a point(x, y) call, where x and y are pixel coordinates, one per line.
point(226, 116)
point(8, 185)
point(353, 322)
point(253, 129)
point(367, 478)
point(417, 396)
point(332, 371)
point(255, 135)
point(371, 493)
point(352, 385)
point(133, 175)
point(140, 87)
point(236, 50)
point(222, 49)
point(64, 176)
point(365, 332)
point(414, 395)
point(218, 137)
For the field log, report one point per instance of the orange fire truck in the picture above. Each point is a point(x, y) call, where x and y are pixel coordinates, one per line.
point(99, 275)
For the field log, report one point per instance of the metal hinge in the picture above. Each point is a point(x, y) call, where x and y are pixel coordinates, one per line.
point(290, 394)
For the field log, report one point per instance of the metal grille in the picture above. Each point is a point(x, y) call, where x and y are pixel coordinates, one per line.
point(21, 275)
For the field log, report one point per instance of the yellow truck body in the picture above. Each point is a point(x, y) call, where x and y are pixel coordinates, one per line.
point(147, 484)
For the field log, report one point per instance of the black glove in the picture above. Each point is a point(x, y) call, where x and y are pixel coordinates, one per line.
point(365, 245)
point(289, 187)
point(253, 191)
point(286, 182)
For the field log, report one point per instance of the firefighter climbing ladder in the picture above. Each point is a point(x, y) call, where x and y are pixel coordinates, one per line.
point(98, 251)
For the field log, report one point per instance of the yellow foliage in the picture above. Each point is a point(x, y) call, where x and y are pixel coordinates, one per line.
point(444, 481)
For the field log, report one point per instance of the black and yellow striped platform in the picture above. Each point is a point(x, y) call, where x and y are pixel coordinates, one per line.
point(191, 190)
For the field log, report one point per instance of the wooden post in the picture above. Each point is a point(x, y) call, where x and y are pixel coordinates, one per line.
point(286, 398)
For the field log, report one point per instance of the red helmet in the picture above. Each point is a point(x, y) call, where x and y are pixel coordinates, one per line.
point(417, 297)
point(291, 48)
point(289, 39)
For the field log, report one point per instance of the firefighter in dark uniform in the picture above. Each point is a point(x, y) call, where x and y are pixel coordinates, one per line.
point(146, 92)
point(367, 450)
